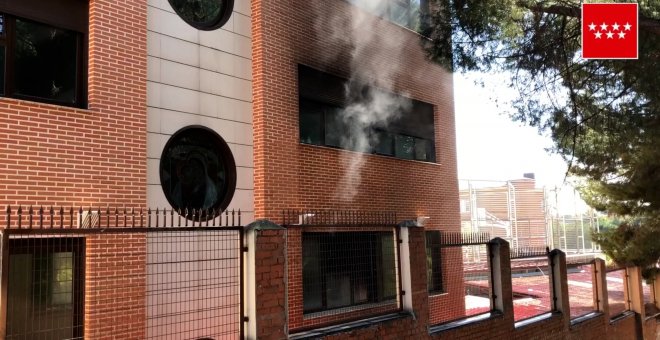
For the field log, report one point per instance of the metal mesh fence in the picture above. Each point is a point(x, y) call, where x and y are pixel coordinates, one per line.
point(525, 215)
point(121, 278)
point(193, 284)
point(616, 292)
point(581, 289)
point(476, 274)
point(45, 293)
point(531, 287)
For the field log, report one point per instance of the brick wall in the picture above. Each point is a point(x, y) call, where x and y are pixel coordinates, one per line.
point(115, 290)
point(289, 174)
point(62, 156)
point(58, 155)
point(270, 292)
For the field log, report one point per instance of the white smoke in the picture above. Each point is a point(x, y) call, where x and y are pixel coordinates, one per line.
point(373, 66)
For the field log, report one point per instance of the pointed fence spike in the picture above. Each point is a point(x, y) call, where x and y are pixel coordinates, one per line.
point(52, 216)
point(20, 216)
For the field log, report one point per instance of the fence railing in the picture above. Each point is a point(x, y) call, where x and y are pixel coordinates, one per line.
point(75, 218)
point(122, 273)
point(529, 252)
point(338, 217)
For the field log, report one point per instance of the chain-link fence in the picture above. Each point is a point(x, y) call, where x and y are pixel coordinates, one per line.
point(527, 216)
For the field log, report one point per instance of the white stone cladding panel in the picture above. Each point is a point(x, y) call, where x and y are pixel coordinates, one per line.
point(200, 78)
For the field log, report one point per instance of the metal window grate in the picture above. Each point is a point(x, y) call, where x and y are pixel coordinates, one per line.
point(350, 273)
point(45, 288)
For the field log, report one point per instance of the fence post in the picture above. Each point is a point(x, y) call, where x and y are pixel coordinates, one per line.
point(4, 280)
point(635, 291)
point(404, 263)
point(265, 303)
point(559, 277)
point(502, 289)
point(412, 262)
point(600, 290)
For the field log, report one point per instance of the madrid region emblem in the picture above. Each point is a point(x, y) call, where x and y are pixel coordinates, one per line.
point(609, 31)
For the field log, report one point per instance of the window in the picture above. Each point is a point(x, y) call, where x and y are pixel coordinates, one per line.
point(45, 291)
point(346, 269)
point(404, 13)
point(204, 14)
point(323, 122)
point(434, 261)
point(42, 50)
point(197, 170)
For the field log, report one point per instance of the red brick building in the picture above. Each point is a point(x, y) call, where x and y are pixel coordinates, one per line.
point(321, 116)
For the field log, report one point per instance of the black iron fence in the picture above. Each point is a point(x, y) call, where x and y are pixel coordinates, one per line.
point(529, 252)
point(124, 273)
point(338, 218)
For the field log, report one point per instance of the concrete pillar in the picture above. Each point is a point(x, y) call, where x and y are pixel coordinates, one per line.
point(559, 280)
point(599, 280)
point(635, 291)
point(501, 285)
point(265, 281)
point(414, 282)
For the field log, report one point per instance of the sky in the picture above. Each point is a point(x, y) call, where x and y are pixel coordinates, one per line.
point(490, 146)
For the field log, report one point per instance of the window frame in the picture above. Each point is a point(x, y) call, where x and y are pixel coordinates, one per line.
point(226, 11)
point(7, 41)
point(321, 92)
point(50, 245)
point(376, 277)
point(229, 163)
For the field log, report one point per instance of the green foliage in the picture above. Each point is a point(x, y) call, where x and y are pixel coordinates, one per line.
point(603, 115)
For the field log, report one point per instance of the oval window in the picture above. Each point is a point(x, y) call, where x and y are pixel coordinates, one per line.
point(204, 14)
point(197, 170)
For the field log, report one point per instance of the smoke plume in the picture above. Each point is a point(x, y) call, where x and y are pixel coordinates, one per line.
point(367, 106)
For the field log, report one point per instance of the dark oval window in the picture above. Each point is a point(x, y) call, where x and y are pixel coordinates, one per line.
point(197, 170)
point(204, 14)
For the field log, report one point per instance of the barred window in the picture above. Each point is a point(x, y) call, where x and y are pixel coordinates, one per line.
point(345, 269)
point(45, 292)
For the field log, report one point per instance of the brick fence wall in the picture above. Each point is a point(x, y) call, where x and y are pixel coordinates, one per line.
point(416, 322)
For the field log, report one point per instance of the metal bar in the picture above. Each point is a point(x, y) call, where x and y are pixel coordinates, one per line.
point(241, 294)
point(113, 230)
point(4, 280)
point(397, 239)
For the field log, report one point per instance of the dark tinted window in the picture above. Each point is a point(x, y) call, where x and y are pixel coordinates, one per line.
point(347, 268)
point(45, 291)
point(41, 62)
point(204, 14)
point(45, 62)
point(324, 122)
point(197, 170)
